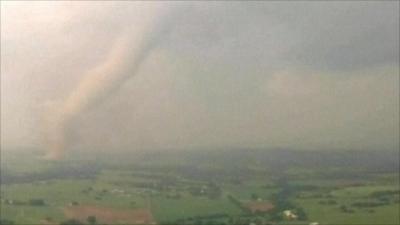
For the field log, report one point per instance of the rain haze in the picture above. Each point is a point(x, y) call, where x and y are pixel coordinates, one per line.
point(189, 78)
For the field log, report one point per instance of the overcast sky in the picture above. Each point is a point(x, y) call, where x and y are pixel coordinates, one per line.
point(298, 75)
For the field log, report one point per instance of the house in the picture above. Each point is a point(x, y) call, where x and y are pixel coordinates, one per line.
point(290, 215)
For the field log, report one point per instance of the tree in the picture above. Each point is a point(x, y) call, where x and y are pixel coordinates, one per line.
point(302, 216)
point(91, 220)
point(37, 202)
point(254, 196)
point(71, 222)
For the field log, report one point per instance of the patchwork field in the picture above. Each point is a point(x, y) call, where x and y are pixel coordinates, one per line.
point(196, 190)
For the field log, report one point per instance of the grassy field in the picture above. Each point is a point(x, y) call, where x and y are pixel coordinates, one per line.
point(194, 192)
point(332, 215)
point(188, 206)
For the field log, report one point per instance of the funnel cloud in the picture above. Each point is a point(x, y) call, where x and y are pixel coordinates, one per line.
point(122, 62)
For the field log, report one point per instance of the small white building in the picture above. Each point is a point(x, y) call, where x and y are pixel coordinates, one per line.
point(117, 191)
point(289, 214)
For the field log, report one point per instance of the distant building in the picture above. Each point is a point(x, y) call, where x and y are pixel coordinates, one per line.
point(117, 191)
point(290, 215)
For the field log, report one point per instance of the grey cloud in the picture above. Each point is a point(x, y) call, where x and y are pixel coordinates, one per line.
point(329, 36)
point(260, 74)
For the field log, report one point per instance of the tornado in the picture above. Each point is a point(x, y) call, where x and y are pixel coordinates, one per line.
point(122, 63)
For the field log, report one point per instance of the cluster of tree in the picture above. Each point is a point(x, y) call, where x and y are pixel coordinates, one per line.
point(301, 214)
point(236, 180)
point(226, 173)
point(282, 202)
point(199, 222)
point(246, 221)
point(368, 204)
point(328, 202)
point(346, 209)
point(254, 196)
point(71, 222)
point(165, 184)
point(61, 171)
point(276, 162)
point(240, 220)
point(369, 161)
point(217, 218)
point(87, 190)
point(386, 197)
point(15, 202)
point(174, 196)
point(37, 202)
point(146, 175)
point(6, 222)
point(98, 194)
point(91, 220)
point(31, 202)
point(315, 195)
point(222, 219)
point(74, 203)
point(281, 198)
point(212, 190)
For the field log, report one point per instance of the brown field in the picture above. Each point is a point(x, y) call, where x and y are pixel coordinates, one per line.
point(47, 222)
point(110, 216)
point(259, 206)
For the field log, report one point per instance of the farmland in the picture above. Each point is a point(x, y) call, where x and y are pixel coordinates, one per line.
point(201, 188)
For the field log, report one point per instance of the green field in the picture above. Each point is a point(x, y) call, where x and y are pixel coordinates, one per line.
point(191, 189)
point(331, 214)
